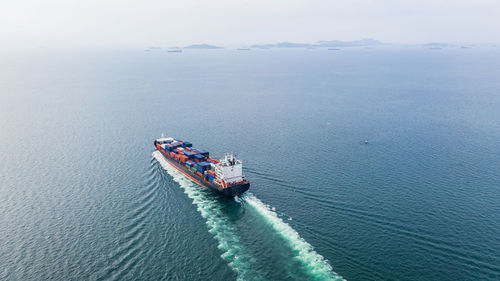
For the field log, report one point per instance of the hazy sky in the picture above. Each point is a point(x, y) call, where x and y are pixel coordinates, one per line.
point(59, 23)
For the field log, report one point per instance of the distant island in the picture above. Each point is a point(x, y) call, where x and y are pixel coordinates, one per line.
point(323, 44)
point(333, 45)
point(202, 46)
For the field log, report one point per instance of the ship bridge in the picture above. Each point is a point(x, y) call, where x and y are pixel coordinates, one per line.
point(230, 169)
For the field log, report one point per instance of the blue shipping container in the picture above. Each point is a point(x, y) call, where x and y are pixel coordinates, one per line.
point(189, 154)
point(204, 164)
point(203, 152)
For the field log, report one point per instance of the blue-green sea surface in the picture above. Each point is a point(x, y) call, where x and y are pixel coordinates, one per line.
point(84, 197)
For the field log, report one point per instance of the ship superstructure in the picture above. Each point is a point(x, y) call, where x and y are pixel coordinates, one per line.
point(224, 175)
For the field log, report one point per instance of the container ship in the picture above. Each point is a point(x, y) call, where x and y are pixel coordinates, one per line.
point(224, 176)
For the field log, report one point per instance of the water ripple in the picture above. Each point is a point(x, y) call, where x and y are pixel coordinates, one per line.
point(314, 263)
point(129, 253)
point(218, 225)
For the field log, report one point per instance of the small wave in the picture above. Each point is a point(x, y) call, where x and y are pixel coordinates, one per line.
point(219, 226)
point(314, 263)
point(129, 253)
point(423, 239)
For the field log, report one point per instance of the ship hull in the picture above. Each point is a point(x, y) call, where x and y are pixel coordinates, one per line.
point(230, 191)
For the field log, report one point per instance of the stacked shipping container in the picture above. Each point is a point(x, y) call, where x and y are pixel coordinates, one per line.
point(197, 160)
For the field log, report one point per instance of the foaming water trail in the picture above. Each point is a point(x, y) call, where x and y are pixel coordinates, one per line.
point(219, 226)
point(315, 264)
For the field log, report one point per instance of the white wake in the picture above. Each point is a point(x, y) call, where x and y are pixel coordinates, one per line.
point(225, 233)
point(218, 225)
point(315, 264)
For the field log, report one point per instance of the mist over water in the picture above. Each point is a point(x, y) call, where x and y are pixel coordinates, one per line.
point(82, 198)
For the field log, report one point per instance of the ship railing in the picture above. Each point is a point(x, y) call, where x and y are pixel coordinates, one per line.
point(238, 182)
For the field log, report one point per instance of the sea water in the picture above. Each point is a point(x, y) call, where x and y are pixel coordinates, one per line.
point(82, 197)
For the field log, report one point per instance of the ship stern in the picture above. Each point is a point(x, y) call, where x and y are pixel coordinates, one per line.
point(235, 190)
